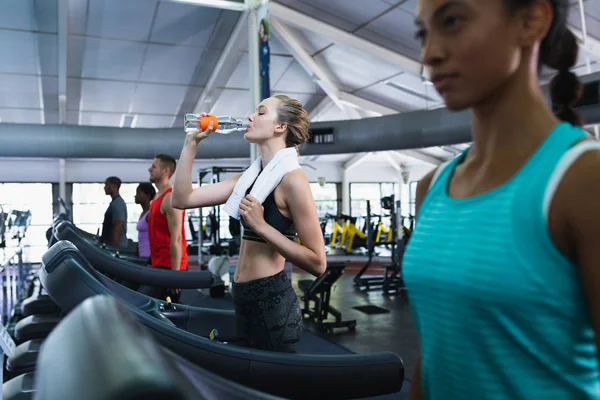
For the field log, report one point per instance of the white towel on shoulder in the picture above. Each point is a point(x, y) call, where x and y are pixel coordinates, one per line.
point(285, 160)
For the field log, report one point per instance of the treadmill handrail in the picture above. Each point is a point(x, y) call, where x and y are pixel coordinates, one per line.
point(139, 274)
point(100, 352)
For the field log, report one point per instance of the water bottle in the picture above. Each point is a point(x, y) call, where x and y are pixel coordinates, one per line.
point(223, 124)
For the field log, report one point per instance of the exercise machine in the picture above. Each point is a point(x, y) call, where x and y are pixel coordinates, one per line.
point(212, 222)
point(391, 281)
point(318, 291)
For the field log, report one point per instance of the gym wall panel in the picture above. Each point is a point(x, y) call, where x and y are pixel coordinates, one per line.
point(332, 172)
point(419, 171)
point(27, 170)
point(373, 172)
point(127, 170)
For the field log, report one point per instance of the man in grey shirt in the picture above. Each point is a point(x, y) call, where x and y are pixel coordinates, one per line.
point(114, 227)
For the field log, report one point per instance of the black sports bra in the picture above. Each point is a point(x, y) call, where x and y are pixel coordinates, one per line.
point(273, 217)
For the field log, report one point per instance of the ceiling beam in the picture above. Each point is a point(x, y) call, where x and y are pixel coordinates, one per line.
point(320, 109)
point(345, 101)
point(78, 18)
point(226, 65)
point(362, 103)
point(392, 161)
point(355, 161)
point(222, 4)
point(63, 38)
point(420, 156)
point(321, 76)
point(591, 45)
point(303, 21)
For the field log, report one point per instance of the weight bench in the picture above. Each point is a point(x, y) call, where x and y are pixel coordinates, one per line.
point(319, 291)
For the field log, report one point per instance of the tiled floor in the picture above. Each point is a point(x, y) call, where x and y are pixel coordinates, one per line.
point(393, 331)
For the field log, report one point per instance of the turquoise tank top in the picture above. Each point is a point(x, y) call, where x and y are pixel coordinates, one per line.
point(500, 312)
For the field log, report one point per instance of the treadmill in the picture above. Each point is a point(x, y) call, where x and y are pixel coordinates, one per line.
point(132, 272)
point(70, 280)
point(100, 352)
point(40, 313)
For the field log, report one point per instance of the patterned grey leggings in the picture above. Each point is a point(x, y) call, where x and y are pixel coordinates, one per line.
point(268, 313)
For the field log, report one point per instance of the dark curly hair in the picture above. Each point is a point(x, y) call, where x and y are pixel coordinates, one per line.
point(559, 51)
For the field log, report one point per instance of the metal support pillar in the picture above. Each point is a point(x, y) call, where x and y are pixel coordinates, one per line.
point(62, 183)
point(253, 58)
point(584, 34)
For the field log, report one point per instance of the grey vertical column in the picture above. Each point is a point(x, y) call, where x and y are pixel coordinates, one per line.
point(253, 60)
point(62, 182)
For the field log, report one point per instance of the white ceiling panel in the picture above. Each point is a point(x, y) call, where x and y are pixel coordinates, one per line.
point(583, 70)
point(437, 152)
point(19, 52)
point(332, 114)
point(410, 6)
point(21, 14)
point(18, 14)
point(592, 20)
point(184, 24)
point(241, 75)
point(50, 88)
point(276, 47)
point(160, 99)
point(21, 116)
point(72, 117)
point(353, 68)
point(128, 20)
point(100, 119)
point(342, 12)
point(397, 26)
point(240, 79)
point(406, 49)
point(106, 96)
point(208, 62)
point(303, 98)
point(170, 64)
point(296, 80)
point(369, 114)
point(191, 99)
point(278, 66)
point(332, 158)
point(156, 121)
point(48, 53)
point(75, 56)
point(48, 14)
point(393, 98)
point(19, 91)
point(331, 18)
point(73, 93)
point(313, 41)
point(112, 59)
point(416, 85)
point(233, 102)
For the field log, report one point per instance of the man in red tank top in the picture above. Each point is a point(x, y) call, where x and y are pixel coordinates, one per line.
point(166, 232)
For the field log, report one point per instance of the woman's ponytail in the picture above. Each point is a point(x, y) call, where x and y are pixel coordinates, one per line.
point(560, 51)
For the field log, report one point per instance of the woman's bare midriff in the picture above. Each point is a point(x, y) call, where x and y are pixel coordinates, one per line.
point(257, 260)
point(260, 260)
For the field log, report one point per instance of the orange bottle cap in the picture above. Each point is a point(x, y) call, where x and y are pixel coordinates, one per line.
point(204, 121)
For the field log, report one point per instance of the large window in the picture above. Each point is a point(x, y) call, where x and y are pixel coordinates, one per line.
point(326, 198)
point(36, 197)
point(90, 204)
point(412, 197)
point(373, 192)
